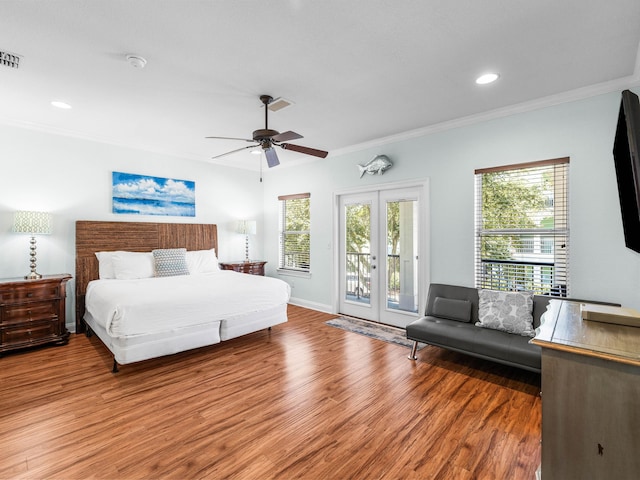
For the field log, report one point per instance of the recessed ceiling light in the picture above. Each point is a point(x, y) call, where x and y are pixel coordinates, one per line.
point(257, 151)
point(59, 104)
point(487, 78)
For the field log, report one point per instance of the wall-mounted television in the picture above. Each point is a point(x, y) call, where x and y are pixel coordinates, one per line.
point(627, 162)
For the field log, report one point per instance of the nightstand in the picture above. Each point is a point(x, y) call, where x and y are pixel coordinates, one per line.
point(32, 312)
point(253, 267)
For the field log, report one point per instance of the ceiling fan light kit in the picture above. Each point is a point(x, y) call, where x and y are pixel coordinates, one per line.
point(267, 138)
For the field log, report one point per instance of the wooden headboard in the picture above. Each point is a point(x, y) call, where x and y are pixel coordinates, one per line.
point(92, 237)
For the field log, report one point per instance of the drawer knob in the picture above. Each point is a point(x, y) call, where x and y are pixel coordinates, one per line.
point(30, 294)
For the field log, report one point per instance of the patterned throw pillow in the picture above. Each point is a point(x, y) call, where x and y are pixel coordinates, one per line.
point(170, 262)
point(506, 311)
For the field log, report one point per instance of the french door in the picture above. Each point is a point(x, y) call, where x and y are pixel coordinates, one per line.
point(379, 255)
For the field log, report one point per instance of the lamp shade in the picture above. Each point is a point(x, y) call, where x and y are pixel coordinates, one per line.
point(33, 223)
point(246, 227)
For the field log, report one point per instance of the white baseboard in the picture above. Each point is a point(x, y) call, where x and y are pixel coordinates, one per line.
point(321, 307)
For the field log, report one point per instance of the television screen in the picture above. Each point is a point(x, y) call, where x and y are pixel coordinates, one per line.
point(627, 163)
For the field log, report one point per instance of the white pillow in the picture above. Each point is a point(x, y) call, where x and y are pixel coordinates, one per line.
point(506, 311)
point(105, 265)
point(202, 261)
point(132, 265)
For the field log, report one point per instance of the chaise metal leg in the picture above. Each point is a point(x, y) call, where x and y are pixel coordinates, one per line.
point(414, 349)
point(115, 367)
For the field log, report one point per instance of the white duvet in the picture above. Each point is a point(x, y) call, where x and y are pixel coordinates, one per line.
point(142, 306)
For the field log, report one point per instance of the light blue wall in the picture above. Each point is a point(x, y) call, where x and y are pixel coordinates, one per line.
point(600, 266)
point(71, 178)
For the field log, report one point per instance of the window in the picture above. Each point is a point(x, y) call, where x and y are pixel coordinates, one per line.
point(522, 227)
point(295, 232)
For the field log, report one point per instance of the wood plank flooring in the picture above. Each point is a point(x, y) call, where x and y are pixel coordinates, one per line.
point(303, 400)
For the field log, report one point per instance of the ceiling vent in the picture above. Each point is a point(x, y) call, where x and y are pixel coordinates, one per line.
point(10, 60)
point(279, 104)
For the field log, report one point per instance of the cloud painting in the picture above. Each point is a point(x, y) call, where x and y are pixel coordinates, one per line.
point(145, 195)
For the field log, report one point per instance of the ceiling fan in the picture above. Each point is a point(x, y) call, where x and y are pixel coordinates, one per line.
point(268, 139)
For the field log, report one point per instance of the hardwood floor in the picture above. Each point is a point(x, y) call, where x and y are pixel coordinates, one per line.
point(303, 400)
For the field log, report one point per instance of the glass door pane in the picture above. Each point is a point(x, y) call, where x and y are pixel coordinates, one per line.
point(358, 253)
point(402, 255)
point(359, 239)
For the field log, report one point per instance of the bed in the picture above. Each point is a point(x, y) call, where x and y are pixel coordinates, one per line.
point(138, 315)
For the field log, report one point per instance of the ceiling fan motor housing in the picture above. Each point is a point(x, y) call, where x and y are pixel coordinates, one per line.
point(264, 134)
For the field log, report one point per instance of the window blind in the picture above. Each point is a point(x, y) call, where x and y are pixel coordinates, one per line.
point(295, 232)
point(522, 227)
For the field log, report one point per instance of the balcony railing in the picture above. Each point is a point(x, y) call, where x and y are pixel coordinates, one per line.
point(541, 278)
point(296, 260)
point(358, 276)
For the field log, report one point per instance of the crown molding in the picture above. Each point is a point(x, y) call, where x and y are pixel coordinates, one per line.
point(552, 100)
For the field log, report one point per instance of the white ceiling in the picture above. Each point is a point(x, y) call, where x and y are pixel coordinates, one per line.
point(358, 71)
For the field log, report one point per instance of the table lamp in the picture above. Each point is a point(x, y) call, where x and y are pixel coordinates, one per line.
point(33, 223)
point(246, 227)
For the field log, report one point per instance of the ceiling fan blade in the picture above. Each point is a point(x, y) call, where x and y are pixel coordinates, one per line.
point(305, 150)
point(232, 138)
point(236, 150)
point(286, 136)
point(272, 157)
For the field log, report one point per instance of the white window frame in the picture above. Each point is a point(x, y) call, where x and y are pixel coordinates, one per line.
point(522, 270)
point(284, 269)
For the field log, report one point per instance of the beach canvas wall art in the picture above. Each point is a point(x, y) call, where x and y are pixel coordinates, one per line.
point(147, 195)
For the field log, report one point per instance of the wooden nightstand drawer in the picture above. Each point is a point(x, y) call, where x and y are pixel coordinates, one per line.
point(28, 312)
point(30, 333)
point(252, 267)
point(32, 312)
point(255, 270)
point(30, 292)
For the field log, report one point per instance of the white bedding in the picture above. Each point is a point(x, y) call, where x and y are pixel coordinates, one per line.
point(143, 306)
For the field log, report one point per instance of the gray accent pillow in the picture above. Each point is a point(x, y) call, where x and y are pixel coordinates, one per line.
point(506, 311)
point(452, 309)
point(170, 262)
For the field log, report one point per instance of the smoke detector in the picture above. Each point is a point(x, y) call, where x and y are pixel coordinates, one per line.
point(10, 60)
point(136, 61)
